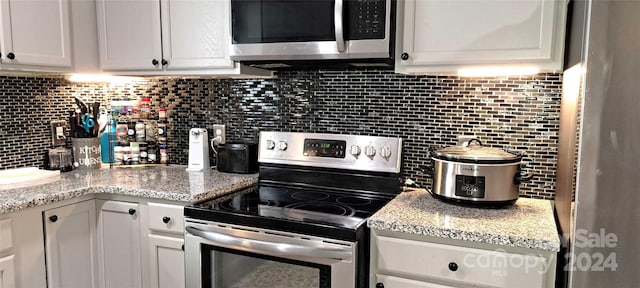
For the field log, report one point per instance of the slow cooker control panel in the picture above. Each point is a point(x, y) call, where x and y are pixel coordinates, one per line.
point(470, 186)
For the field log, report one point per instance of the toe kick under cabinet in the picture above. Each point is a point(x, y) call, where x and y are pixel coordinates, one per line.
point(410, 261)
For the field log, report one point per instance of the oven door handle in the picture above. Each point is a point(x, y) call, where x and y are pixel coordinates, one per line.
point(285, 249)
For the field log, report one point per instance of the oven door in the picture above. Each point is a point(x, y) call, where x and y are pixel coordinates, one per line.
point(227, 256)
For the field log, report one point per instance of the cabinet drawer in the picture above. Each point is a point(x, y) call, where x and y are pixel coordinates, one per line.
point(396, 282)
point(166, 218)
point(5, 235)
point(459, 265)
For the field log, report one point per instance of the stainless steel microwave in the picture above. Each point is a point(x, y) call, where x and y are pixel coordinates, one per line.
point(264, 30)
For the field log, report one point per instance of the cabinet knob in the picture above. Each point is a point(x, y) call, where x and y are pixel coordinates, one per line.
point(404, 56)
point(11, 56)
point(453, 266)
point(164, 62)
point(53, 218)
point(155, 62)
point(182, 247)
point(166, 219)
point(132, 211)
point(379, 285)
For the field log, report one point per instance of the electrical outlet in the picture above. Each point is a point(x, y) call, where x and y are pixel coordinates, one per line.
point(219, 131)
point(58, 137)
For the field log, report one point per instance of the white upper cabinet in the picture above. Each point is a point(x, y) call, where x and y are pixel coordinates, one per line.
point(164, 37)
point(445, 36)
point(195, 34)
point(129, 34)
point(36, 34)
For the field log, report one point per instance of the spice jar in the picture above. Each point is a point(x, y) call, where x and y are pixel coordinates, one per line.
point(164, 156)
point(140, 132)
point(145, 107)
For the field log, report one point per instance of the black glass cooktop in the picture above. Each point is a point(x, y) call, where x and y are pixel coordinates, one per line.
point(293, 209)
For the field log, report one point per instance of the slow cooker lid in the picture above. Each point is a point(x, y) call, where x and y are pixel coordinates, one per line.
point(473, 150)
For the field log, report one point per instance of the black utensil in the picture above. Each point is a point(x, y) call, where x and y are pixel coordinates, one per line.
point(83, 106)
point(95, 112)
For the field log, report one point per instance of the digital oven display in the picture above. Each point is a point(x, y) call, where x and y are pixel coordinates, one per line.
point(324, 148)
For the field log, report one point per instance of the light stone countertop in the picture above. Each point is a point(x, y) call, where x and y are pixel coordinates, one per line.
point(153, 182)
point(529, 223)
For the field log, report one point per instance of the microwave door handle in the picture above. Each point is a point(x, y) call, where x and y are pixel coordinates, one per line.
point(338, 22)
point(254, 245)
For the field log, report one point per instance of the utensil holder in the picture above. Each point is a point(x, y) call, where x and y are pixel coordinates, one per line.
point(86, 153)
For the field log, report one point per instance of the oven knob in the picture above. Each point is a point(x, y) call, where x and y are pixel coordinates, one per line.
point(282, 145)
point(355, 150)
point(271, 144)
point(370, 151)
point(385, 152)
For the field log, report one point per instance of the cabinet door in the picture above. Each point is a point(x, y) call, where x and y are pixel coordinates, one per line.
point(7, 272)
point(167, 262)
point(119, 244)
point(482, 32)
point(35, 33)
point(70, 245)
point(129, 34)
point(195, 34)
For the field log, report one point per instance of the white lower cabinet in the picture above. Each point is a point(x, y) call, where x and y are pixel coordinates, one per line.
point(406, 263)
point(93, 243)
point(70, 233)
point(166, 246)
point(119, 244)
point(167, 262)
point(7, 272)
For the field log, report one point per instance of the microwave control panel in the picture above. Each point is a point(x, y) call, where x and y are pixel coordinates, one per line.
point(365, 19)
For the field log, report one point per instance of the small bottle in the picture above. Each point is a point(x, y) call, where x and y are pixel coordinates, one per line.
point(118, 154)
point(151, 134)
point(162, 114)
point(135, 154)
point(145, 107)
point(135, 109)
point(140, 132)
point(126, 155)
point(144, 154)
point(162, 133)
point(116, 106)
point(125, 107)
point(121, 131)
point(131, 132)
point(164, 156)
point(151, 154)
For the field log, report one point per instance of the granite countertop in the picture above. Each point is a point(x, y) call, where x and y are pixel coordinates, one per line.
point(527, 224)
point(153, 182)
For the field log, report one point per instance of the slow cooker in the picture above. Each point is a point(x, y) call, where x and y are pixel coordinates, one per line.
point(476, 175)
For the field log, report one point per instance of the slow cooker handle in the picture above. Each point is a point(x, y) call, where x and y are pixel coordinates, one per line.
point(468, 143)
point(522, 177)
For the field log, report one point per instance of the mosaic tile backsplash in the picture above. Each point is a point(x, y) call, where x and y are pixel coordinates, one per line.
point(520, 113)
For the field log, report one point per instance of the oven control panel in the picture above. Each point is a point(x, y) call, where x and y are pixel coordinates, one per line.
point(353, 152)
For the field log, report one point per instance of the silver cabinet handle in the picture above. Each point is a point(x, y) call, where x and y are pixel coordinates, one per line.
point(285, 249)
point(337, 16)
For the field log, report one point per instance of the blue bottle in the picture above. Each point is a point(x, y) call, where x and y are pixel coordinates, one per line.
point(107, 141)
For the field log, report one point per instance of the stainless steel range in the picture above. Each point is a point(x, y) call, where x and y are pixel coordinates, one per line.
point(304, 224)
